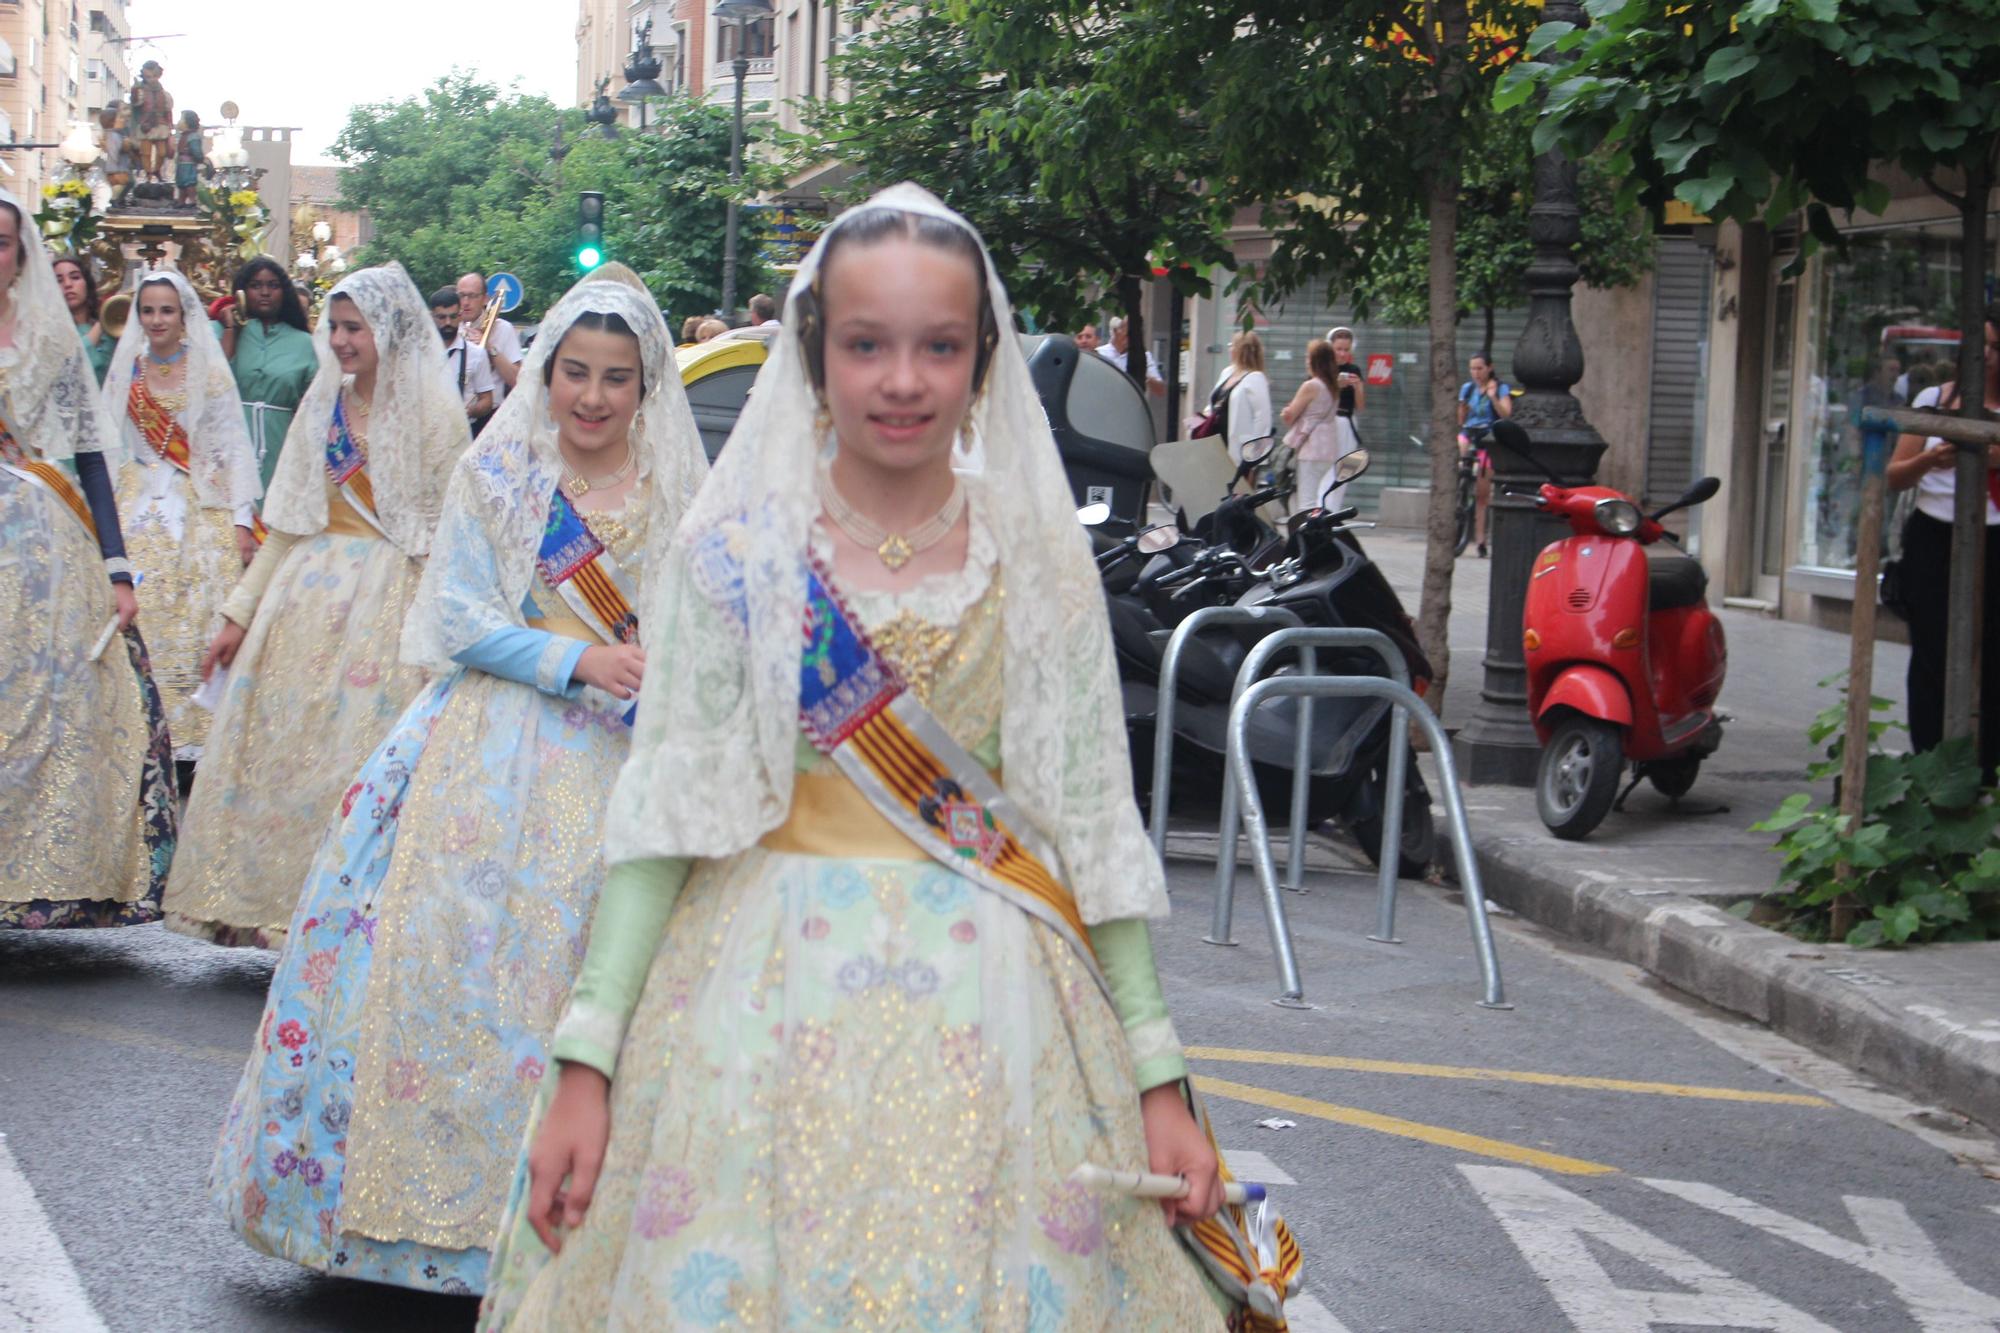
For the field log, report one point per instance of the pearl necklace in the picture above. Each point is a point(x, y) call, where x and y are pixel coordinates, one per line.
point(893, 549)
point(579, 485)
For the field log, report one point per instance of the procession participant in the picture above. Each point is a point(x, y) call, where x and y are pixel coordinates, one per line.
point(862, 1007)
point(374, 1132)
point(309, 634)
point(503, 345)
point(471, 368)
point(86, 779)
point(272, 354)
point(79, 293)
point(187, 492)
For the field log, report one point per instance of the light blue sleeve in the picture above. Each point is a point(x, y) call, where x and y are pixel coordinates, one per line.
point(531, 656)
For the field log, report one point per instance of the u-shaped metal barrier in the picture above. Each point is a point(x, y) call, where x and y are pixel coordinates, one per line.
point(1404, 701)
point(1304, 641)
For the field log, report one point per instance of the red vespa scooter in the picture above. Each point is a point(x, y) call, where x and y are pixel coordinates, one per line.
point(1624, 657)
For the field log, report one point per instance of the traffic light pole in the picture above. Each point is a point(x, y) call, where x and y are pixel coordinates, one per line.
point(742, 69)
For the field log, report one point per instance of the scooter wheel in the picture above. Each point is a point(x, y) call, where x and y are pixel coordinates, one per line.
point(1420, 840)
point(1579, 775)
point(1673, 778)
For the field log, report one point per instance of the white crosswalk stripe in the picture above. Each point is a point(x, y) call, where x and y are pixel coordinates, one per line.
point(1303, 1312)
point(1307, 1315)
point(1255, 1167)
point(39, 1289)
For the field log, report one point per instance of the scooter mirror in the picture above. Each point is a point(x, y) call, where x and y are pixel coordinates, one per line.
point(1351, 465)
point(1259, 449)
point(1093, 514)
point(1155, 540)
point(1700, 493)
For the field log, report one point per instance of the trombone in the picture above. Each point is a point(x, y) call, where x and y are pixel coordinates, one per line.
point(486, 322)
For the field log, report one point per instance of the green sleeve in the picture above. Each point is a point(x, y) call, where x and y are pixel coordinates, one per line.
point(625, 933)
point(1125, 953)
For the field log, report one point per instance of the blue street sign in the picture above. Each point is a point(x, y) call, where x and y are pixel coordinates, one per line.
point(504, 289)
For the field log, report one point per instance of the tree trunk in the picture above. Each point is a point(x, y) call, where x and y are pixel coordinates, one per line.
point(1966, 598)
point(1441, 527)
point(1486, 342)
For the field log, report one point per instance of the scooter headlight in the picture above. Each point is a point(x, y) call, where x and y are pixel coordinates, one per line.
point(1620, 518)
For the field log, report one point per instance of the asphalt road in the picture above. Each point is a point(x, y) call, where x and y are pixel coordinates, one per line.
point(1601, 1157)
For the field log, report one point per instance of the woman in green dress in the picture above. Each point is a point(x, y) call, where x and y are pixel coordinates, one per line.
point(80, 295)
point(271, 351)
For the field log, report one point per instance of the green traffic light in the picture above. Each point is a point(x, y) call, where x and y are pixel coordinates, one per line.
point(589, 257)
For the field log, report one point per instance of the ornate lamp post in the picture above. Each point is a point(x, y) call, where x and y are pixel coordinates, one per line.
point(1498, 744)
point(642, 72)
point(602, 114)
point(739, 14)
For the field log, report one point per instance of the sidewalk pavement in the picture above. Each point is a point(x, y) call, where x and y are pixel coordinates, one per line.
point(1651, 884)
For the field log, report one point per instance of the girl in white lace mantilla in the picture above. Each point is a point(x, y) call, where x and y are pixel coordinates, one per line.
point(188, 489)
point(830, 1081)
point(443, 920)
point(309, 636)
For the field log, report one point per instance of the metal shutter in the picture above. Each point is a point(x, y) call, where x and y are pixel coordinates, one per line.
point(1680, 346)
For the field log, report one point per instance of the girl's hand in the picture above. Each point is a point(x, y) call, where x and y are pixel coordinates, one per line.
point(617, 669)
point(568, 1147)
point(246, 545)
point(1940, 456)
point(1175, 1146)
point(127, 603)
point(222, 648)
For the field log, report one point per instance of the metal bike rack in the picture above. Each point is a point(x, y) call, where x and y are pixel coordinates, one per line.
point(1304, 641)
point(1403, 701)
point(1170, 669)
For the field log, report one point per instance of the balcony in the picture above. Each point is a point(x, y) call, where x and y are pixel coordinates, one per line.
point(763, 67)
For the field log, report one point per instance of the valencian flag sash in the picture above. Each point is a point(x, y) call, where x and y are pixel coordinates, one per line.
point(347, 467)
point(48, 476)
point(163, 431)
point(855, 708)
point(586, 576)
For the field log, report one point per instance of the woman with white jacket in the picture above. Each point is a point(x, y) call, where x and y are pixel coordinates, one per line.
point(1244, 393)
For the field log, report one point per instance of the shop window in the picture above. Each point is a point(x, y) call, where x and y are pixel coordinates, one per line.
point(1885, 323)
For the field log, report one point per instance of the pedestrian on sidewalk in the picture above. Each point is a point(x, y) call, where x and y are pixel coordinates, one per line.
point(1927, 464)
point(1482, 400)
point(1242, 396)
point(1315, 435)
point(1116, 351)
point(804, 1019)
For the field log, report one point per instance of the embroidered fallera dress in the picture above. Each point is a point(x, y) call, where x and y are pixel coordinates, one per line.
point(86, 773)
point(374, 1132)
point(185, 553)
point(850, 1084)
point(314, 688)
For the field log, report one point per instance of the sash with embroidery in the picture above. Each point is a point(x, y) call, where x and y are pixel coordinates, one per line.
point(48, 476)
point(585, 575)
point(856, 709)
point(162, 430)
point(347, 467)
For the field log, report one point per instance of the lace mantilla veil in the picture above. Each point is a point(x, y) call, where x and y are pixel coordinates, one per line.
point(710, 770)
point(416, 429)
point(495, 509)
point(221, 460)
point(53, 404)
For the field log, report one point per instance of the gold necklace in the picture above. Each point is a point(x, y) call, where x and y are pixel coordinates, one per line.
point(893, 549)
point(579, 485)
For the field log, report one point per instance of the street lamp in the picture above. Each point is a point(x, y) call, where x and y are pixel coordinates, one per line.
point(739, 14)
point(602, 114)
point(642, 72)
point(79, 148)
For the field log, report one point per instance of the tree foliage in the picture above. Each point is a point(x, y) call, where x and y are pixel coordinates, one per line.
point(461, 178)
point(1494, 245)
point(1010, 113)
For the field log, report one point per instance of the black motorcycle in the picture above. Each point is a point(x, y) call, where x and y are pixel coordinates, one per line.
point(1318, 571)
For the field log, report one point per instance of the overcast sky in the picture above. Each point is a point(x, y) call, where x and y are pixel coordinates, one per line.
point(288, 63)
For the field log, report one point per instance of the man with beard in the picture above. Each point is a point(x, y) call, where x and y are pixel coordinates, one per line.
point(471, 367)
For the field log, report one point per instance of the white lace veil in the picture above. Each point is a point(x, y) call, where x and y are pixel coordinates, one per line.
point(496, 506)
point(714, 747)
point(54, 407)
point(416, 421)
point(221, 461)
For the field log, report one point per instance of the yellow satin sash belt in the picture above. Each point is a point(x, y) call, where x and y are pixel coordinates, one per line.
point(565, 624)
point(342, 521)
point(831, 817)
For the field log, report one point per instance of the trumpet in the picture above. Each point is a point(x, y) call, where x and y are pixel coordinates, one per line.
point(114, 313)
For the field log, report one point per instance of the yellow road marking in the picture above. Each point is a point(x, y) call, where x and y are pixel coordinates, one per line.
point(1501, 1075)
point(119, 1035)
point(1407, 1129)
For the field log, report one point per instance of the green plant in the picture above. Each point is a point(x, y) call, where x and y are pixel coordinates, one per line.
point(1923, 865)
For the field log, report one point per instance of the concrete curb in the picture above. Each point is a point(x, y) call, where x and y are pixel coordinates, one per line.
point(1824, 996)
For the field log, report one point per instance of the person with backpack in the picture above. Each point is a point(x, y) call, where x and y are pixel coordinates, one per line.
point(1482, 400)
